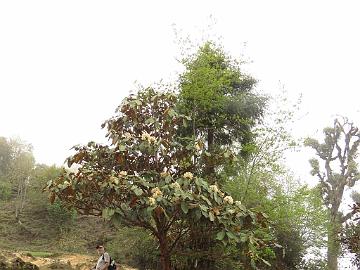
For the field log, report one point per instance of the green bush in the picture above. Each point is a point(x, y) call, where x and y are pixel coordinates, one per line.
point(5, 190)
point(60, 215)
point(135, 247)
point(145, 254)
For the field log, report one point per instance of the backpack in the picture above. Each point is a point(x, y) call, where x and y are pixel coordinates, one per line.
point(112, 265)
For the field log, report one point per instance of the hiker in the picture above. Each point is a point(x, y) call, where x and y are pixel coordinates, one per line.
point(104, 262)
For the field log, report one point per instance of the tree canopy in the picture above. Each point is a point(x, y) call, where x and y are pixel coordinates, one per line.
point(147, 178)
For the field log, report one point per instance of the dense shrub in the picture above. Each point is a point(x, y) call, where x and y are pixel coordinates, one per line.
point(5, 190)
point(60, 215)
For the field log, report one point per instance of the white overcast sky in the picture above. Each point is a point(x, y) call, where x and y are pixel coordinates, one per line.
point(66, 65)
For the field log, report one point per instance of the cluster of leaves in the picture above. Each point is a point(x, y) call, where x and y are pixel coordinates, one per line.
point(147, 178)
point(340, 145)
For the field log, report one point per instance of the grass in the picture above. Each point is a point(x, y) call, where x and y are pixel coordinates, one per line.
point(41, 254)
point(42, 236)
point(39, 232)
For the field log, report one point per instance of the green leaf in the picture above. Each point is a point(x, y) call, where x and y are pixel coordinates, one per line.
point(243, 238)
point(138, 191)
point(211, 216)
point(150, 120)
point(172, 113)
point(107, 213)
point(198, 182)
point(203, 208)
point(184, 207)
point(206, 200)
point(168, 179)
point(220, 235)
point(197, 214)
point(217, 198)
point(231, 235)
point(265, 261)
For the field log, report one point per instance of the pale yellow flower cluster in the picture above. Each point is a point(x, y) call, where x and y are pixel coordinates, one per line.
point(156, 192)
point(146, 136)
point(127, 135)
point(175, 185)
point(164, 174)
point(67, 183)
point(175, 199)
point(114, 180)
point(215, 189)
point(151, 201)
point(197, 147)
point(123, 173)
point(188, 175)
point(229, 200)
point(238, 203)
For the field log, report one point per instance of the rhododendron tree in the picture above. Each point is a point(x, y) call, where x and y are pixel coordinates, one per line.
point(148, 176)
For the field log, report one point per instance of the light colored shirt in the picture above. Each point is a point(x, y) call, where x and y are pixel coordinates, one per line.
point(102, 261)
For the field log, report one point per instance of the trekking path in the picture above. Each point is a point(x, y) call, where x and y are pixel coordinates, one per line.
point(64, 261)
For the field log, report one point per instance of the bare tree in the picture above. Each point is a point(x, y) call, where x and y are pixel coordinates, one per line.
point(339, 170)
point(22, 163)
point(21, 171)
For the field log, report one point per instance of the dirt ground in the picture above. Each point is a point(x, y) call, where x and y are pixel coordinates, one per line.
point(67, 261)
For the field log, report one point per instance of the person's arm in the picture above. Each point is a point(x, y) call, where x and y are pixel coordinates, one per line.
point(107, 261)
point(106, 266)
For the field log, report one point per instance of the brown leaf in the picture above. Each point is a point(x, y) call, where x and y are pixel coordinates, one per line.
point(237, 229)
point(78, 157)
point(166, 111)
point(120, 159)
point(133, 202)
point(159, 211)
point(52, 198)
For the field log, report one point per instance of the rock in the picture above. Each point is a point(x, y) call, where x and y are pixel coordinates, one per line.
point(19, 264)
point(30, 266)
point(30, 256)
point(60, 266)
point(4, 265)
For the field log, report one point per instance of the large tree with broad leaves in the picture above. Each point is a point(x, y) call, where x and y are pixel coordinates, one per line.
point(147, 177)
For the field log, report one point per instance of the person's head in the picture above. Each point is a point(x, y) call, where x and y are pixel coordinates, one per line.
point(100, 249)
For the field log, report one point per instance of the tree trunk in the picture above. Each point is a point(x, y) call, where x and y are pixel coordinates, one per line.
point(333, 245)
point(23, 198)
point(164, 253)
point(18, 200)
point(209, 166)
